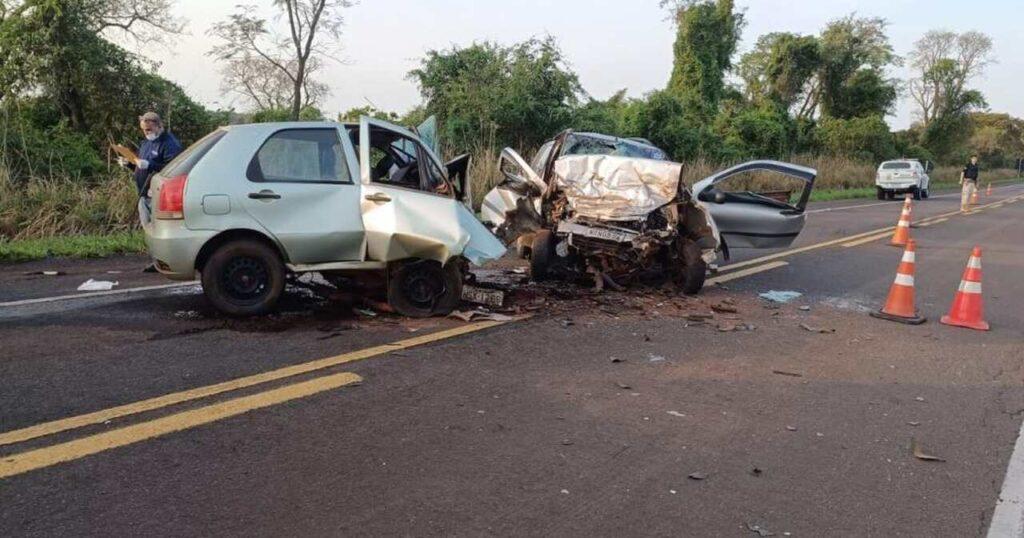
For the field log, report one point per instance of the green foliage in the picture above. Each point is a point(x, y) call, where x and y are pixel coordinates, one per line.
point(353, 114)
point(35, 143)
point(866, 138)
point(707, 33)
point(517, 95)
point(998, 139)
point(764, 131)
point(851, 83)
point(780, 67)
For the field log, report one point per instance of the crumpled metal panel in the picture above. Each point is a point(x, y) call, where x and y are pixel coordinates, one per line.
point(610, 187)
point(410, 226)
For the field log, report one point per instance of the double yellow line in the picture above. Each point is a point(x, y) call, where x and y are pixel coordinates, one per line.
point(23, 462)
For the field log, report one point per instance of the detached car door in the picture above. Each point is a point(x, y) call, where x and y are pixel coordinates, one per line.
point(756, 220)
point(410, 210)
point(301, 189)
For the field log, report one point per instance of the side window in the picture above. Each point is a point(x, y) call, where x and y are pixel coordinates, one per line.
point(301, 156)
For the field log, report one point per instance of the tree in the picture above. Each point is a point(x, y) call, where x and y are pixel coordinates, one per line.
point(707, 33)
point(263, 86)
point(780, 68)
point(312, 29)
point(855, 52)
point(946, 62)
point(516, 95)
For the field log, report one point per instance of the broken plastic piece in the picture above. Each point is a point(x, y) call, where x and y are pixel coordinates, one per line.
point(97, 285)
point(780, 296)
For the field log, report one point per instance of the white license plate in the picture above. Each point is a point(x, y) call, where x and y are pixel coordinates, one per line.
point(618, 236)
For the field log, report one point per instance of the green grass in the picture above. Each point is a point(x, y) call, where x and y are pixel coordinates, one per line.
point(78, 246)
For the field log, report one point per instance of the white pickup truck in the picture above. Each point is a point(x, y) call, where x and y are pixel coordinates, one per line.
point(903, 176)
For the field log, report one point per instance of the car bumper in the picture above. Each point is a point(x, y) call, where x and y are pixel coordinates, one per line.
point(174, 247)
point(899, 187)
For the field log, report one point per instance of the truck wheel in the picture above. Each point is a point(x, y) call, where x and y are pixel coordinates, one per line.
point(244, 278)
point(690, 277)
point(881, 193)
point(422, 288)
point(542, 254)
point(917, 193)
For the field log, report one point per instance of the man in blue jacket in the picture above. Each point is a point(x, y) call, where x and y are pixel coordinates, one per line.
point(155, 152)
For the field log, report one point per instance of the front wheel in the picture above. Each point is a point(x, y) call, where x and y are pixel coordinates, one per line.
point(423, 288)
point(244, 278)
point(880, 192)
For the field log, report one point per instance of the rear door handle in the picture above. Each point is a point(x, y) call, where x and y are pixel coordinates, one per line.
point(378, 197)
point(264, 195)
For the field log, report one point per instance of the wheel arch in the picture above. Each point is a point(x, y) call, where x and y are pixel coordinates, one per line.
point(226, 236)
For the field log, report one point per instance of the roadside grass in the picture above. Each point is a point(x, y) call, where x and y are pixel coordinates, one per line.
point(75, 246)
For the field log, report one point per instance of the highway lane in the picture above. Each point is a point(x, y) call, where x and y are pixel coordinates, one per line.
point(530, 428)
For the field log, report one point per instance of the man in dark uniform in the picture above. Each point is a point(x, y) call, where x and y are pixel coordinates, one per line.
point(969, 181)
point(155, 152)
point(158, 149)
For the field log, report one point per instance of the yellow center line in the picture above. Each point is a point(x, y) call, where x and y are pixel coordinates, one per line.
point(79, 448)
point(746, 272)
point(56, 426)
point(936, 221)
point(869, 239)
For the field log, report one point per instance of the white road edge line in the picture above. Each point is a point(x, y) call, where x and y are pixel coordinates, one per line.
point(890, 202)
point(126, 291)
point(1008, 517)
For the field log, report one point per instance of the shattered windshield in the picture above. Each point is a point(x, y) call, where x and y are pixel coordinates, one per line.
point(588, 145)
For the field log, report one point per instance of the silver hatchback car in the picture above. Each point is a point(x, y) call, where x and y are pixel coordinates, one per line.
point(249, 204)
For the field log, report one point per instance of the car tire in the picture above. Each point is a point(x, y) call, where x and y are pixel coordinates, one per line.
point(244, 278)
point(926, 193)
point(423, 288)
point(890, 195)
point(916, 191)
point(542, 255)
point(690, 277)
point(880, 192)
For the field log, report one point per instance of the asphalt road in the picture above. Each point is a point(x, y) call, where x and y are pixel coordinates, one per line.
point(198, 425)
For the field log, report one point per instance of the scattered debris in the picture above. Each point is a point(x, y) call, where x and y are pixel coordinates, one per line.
point(791, 428)
point(697, 476)
point(486, 297)
point(919, 398)
point(97, 285)
point(821, 330)
point(805, 308)
point(565, 492)
point(478, 315)
point(756, 471)
point(759, 530)
point(365, 312)
point(568, 323)
point(723, 308)
point(618, 360)
point(45, 273)
point(699, 317)
point(566, 442)
point(920, 454)
point(726, 327)
point(651, 357)
point(785, 373)
point(780, 296)
point(672, 491)
point(622, 386)
point(677, 414)
point(914, 423)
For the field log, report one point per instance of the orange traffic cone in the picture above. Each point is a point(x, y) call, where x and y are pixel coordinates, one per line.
point(988, 191)
point(974, 197)
point(902, 235)
point(899, 306)
point(967, 305)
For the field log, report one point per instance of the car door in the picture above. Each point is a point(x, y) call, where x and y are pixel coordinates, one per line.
point(404, 222)
point(513, 207)
point(301, 190)
point(752, 220)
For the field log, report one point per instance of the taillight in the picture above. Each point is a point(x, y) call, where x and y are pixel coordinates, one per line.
point(171, 205)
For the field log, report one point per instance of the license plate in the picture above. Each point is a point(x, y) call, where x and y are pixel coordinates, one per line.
point(617, 236)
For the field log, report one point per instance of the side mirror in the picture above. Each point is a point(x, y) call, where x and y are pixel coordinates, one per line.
point(712, 195)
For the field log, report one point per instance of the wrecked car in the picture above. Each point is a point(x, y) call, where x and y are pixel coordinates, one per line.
point(613, 208)
point(248, 206)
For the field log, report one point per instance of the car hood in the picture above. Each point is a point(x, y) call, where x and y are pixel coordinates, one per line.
point(610, 187)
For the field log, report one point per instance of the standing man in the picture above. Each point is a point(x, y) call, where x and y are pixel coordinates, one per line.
point(969, 181)
point(155, 152)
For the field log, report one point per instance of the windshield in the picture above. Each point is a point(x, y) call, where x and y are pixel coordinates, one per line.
point(586, 145)
point(895, 166)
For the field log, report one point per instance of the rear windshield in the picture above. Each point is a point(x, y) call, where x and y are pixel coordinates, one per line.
point(895, 166)
point(186, 160)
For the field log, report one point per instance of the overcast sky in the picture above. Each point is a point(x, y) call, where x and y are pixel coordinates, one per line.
point(610, 44)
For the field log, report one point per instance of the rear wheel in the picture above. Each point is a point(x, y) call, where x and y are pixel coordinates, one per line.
point(244, 278)
point(926, 193)
point(542, 254)
point(423, 288)
point(917, 193)
point(880, 192)
point(890, 195)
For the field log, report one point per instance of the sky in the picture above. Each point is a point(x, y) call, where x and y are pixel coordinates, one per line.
point(610, 44)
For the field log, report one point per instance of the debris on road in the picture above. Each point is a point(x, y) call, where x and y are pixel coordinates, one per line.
point(920, 454)
point(788, 374)
point(697, 476)
point(791, 428)
point(45, 273)
point(365, 312)
point(479, 315)
point(821, 330)
point(97, 285)
point(651, 357)
point(677, 414)
point(780, 296)
point(759, 530)
point(723, 308)
point(617, 360)
point(805, 308)
point(913, 423)
point(623, 386)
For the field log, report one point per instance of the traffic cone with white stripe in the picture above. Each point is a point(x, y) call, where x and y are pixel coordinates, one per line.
point(899, 306)
point(967, 305)
point(902, 234)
